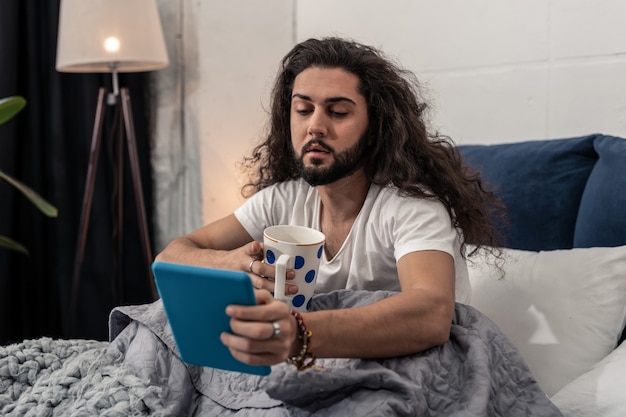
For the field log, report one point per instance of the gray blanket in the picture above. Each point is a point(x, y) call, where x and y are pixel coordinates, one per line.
point(477, 373)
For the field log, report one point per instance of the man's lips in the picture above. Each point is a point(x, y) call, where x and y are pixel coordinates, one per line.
point(317, 154)
point(316, 148)
point(317, 151)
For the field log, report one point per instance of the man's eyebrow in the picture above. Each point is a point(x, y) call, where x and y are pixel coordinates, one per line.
point(328, 100)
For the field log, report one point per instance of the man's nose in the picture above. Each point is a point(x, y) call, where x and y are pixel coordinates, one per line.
point(318, 125)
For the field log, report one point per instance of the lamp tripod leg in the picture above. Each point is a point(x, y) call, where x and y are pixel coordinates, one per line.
point(138, 189)
point(118, 241)
point(96, 142)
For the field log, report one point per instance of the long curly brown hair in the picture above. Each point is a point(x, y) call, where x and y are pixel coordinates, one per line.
point(401, 150)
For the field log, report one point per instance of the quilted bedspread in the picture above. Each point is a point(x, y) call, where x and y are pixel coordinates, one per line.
point(477, 373)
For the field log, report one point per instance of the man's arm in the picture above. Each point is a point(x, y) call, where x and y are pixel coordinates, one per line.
point(223, 244)
point(226, 244)
point(418, 318)
point(216, 245)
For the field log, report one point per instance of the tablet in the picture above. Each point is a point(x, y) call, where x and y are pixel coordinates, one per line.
point(195, 300)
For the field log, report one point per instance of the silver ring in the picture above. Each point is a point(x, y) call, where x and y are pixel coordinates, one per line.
point(252, 263)
point(276, 328)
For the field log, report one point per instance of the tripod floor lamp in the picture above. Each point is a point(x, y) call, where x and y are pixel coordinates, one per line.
point(111, 36)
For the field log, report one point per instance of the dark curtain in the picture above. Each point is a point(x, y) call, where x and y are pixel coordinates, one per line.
point(47, 147)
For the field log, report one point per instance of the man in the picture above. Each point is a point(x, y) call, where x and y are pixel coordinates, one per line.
point(348, 153)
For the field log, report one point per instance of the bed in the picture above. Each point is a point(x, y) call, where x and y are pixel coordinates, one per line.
point(139, 373)
point(562, 300)
point(490, 366)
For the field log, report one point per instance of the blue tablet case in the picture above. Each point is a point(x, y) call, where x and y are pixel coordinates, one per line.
point(195, 301)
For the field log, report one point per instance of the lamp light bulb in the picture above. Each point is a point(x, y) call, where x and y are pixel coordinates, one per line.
point(111, 44)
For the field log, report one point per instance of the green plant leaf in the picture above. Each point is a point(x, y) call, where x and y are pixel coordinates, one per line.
point(5, 242)
point(43, 206)
point(10, 106)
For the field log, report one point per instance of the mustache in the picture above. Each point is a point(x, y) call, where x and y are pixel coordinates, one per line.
point(316, 142)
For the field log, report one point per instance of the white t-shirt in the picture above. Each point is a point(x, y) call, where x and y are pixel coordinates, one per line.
point(388, 227)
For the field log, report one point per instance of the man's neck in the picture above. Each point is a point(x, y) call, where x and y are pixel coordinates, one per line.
point(343, 199)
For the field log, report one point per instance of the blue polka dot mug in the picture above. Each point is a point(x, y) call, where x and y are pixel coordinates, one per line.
point(299, 248)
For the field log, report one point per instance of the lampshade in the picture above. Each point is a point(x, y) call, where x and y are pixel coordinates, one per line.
point(97, 35)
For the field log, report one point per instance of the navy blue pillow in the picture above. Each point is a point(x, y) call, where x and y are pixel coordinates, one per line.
point(602, 214)
point(541, 183)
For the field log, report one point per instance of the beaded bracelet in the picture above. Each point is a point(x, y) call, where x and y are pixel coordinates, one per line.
point(305, 358)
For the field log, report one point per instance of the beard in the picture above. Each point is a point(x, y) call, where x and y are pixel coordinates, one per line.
point(345, 163)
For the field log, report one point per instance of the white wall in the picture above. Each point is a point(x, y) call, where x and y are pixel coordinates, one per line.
point(211, 104)
point(496, 71)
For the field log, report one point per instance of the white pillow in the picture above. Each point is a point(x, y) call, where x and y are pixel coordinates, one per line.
point(563, 309)
point(599, 392)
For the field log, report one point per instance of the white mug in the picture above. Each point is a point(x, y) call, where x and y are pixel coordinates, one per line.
point(299, 248)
